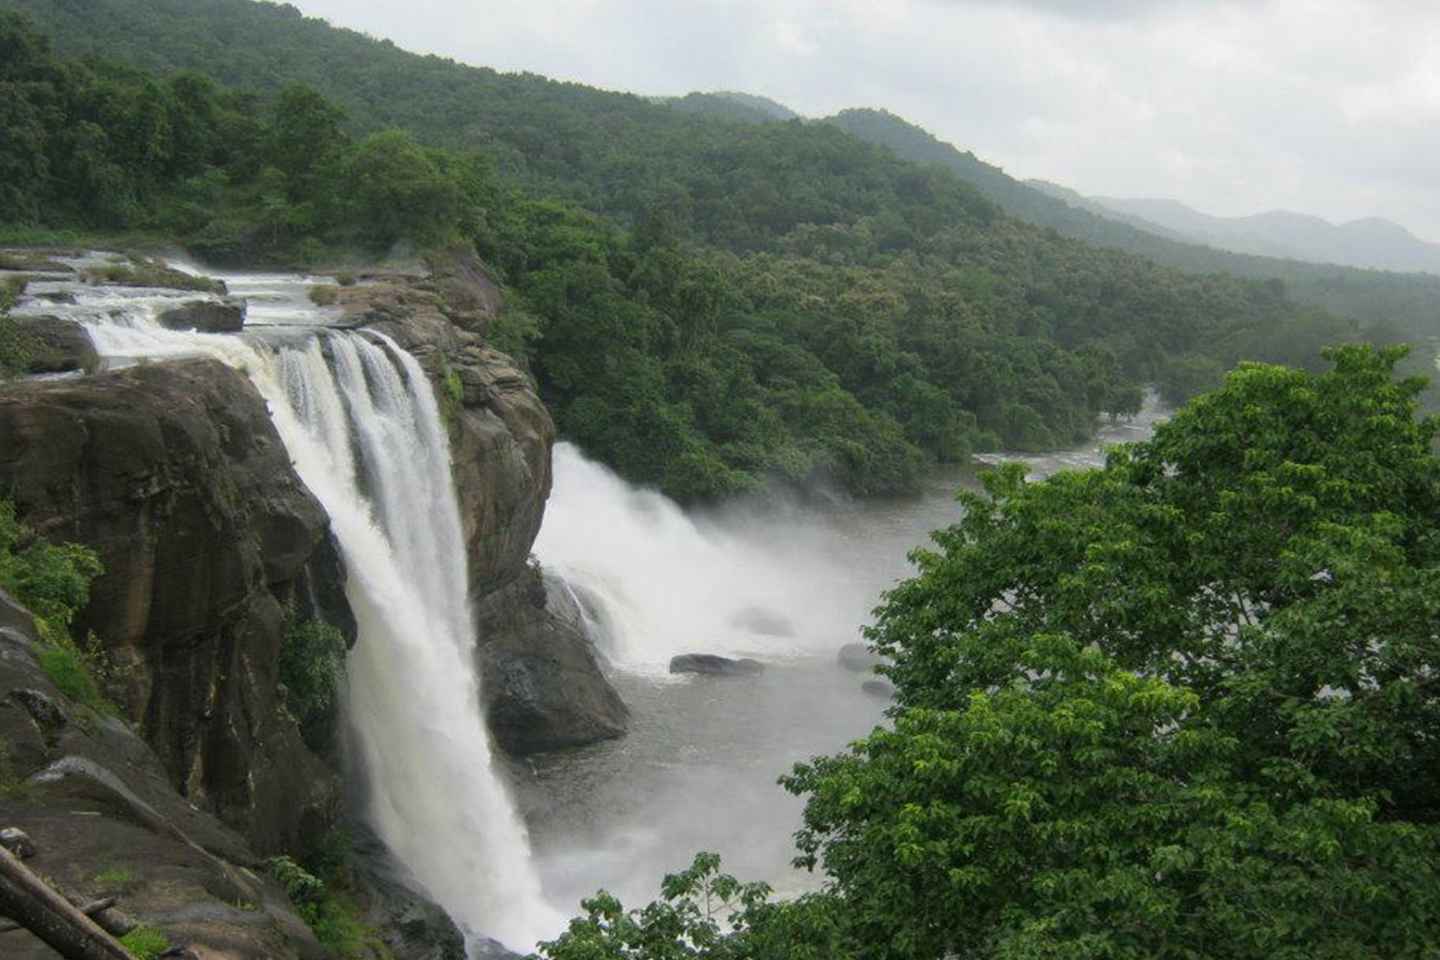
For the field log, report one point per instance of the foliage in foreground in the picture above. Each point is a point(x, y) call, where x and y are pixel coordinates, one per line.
point(703, 913)
point(327, 908)
point(1184, 706)
point(145, 943)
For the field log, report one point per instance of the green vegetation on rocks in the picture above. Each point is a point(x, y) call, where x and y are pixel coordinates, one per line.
point(1180, 706)
point(312, 668)
point(145, 943)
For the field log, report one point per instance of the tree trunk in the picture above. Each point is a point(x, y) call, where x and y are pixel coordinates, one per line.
point(26, 899)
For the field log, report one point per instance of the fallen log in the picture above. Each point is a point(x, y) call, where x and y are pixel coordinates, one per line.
point(29, 901)
point(89, 909)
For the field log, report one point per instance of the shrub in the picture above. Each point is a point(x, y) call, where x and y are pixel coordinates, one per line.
point(312, 667)
point(15, 347)
point(324, 294)
point(54, 583)
point(145, 943)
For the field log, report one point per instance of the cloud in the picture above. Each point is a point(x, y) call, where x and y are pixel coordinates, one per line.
point(1329, 107)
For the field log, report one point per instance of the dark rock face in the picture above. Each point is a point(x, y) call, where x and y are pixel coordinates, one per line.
point(14, 616)
point(411, 927)
point(709, 663)
point(500, 432)
point(859, 658)
point(174, 474)
point(207, 316)
point(59, 346)
point(541, 680)
point(187, 874)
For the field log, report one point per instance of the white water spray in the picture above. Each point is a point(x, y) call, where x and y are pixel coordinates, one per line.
point(360, 422)
point(666, 581)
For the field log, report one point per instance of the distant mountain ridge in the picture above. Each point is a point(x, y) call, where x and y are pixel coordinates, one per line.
point(1369, 243)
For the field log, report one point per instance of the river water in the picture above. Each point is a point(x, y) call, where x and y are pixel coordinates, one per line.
point(786, 583)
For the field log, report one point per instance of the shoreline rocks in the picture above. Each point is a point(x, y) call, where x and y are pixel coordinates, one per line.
point(712, 665)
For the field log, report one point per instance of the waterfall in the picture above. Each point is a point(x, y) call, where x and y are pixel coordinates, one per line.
point(360, 422)
point(665, 581)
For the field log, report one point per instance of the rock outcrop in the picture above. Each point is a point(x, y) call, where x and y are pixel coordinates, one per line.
point(543, 685)
point(206, 316)
point(713, 665)
point(175, 475)
point(541, 682)
point(104, 820)
point(500, 432)
point(57, 346)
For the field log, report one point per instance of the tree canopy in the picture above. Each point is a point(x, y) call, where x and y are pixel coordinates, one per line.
point(1184, 706)
point(708, 305)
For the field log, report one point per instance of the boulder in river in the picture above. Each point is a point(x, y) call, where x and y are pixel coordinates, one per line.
point(878, 688)
point(541, 682)
point(57, 346)
point(859, 658)
point(762, 621)
point(709, 663)
point(207, 316)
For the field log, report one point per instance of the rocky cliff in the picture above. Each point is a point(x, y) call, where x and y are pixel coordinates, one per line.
point(175, 475)
point(543, 684)
point(212, 548)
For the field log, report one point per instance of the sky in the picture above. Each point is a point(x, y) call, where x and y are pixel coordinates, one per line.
point(1325, 107)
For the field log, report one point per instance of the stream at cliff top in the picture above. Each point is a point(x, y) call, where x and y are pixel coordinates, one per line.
point(698, 769)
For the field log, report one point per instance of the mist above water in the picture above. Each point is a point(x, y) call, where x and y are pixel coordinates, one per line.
point(784, 581)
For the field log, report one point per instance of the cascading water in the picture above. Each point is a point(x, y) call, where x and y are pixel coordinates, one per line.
point(360, 422)
point(667, 581)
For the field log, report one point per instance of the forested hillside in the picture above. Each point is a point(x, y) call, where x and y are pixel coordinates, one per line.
point(706, 304)
point(1398, 304)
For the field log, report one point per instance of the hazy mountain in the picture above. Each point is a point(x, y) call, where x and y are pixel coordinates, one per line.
point(1371, 243)
point(746, 107)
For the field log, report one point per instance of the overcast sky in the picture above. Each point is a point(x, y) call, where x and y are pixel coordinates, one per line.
point(1320, 106)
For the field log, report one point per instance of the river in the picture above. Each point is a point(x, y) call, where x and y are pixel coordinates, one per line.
point(699, 766)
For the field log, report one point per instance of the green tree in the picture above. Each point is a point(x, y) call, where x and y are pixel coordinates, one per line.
point(399, 193)
point(1182, 706)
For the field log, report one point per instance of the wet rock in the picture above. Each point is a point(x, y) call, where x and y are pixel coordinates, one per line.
point(42, 709)
point(859, 658)
point(878, 688)
point(500, 432)
point(15, 617)
point(18, 842)
point(410, 926)
point(207, 316)
point(541, 681)
point(34, 261)
point(709, 663)
point(173, 473)
point(57, 346)
point(98, 806)
point(765, 622)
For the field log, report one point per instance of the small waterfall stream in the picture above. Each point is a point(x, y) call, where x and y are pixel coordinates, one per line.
point(361, 424)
